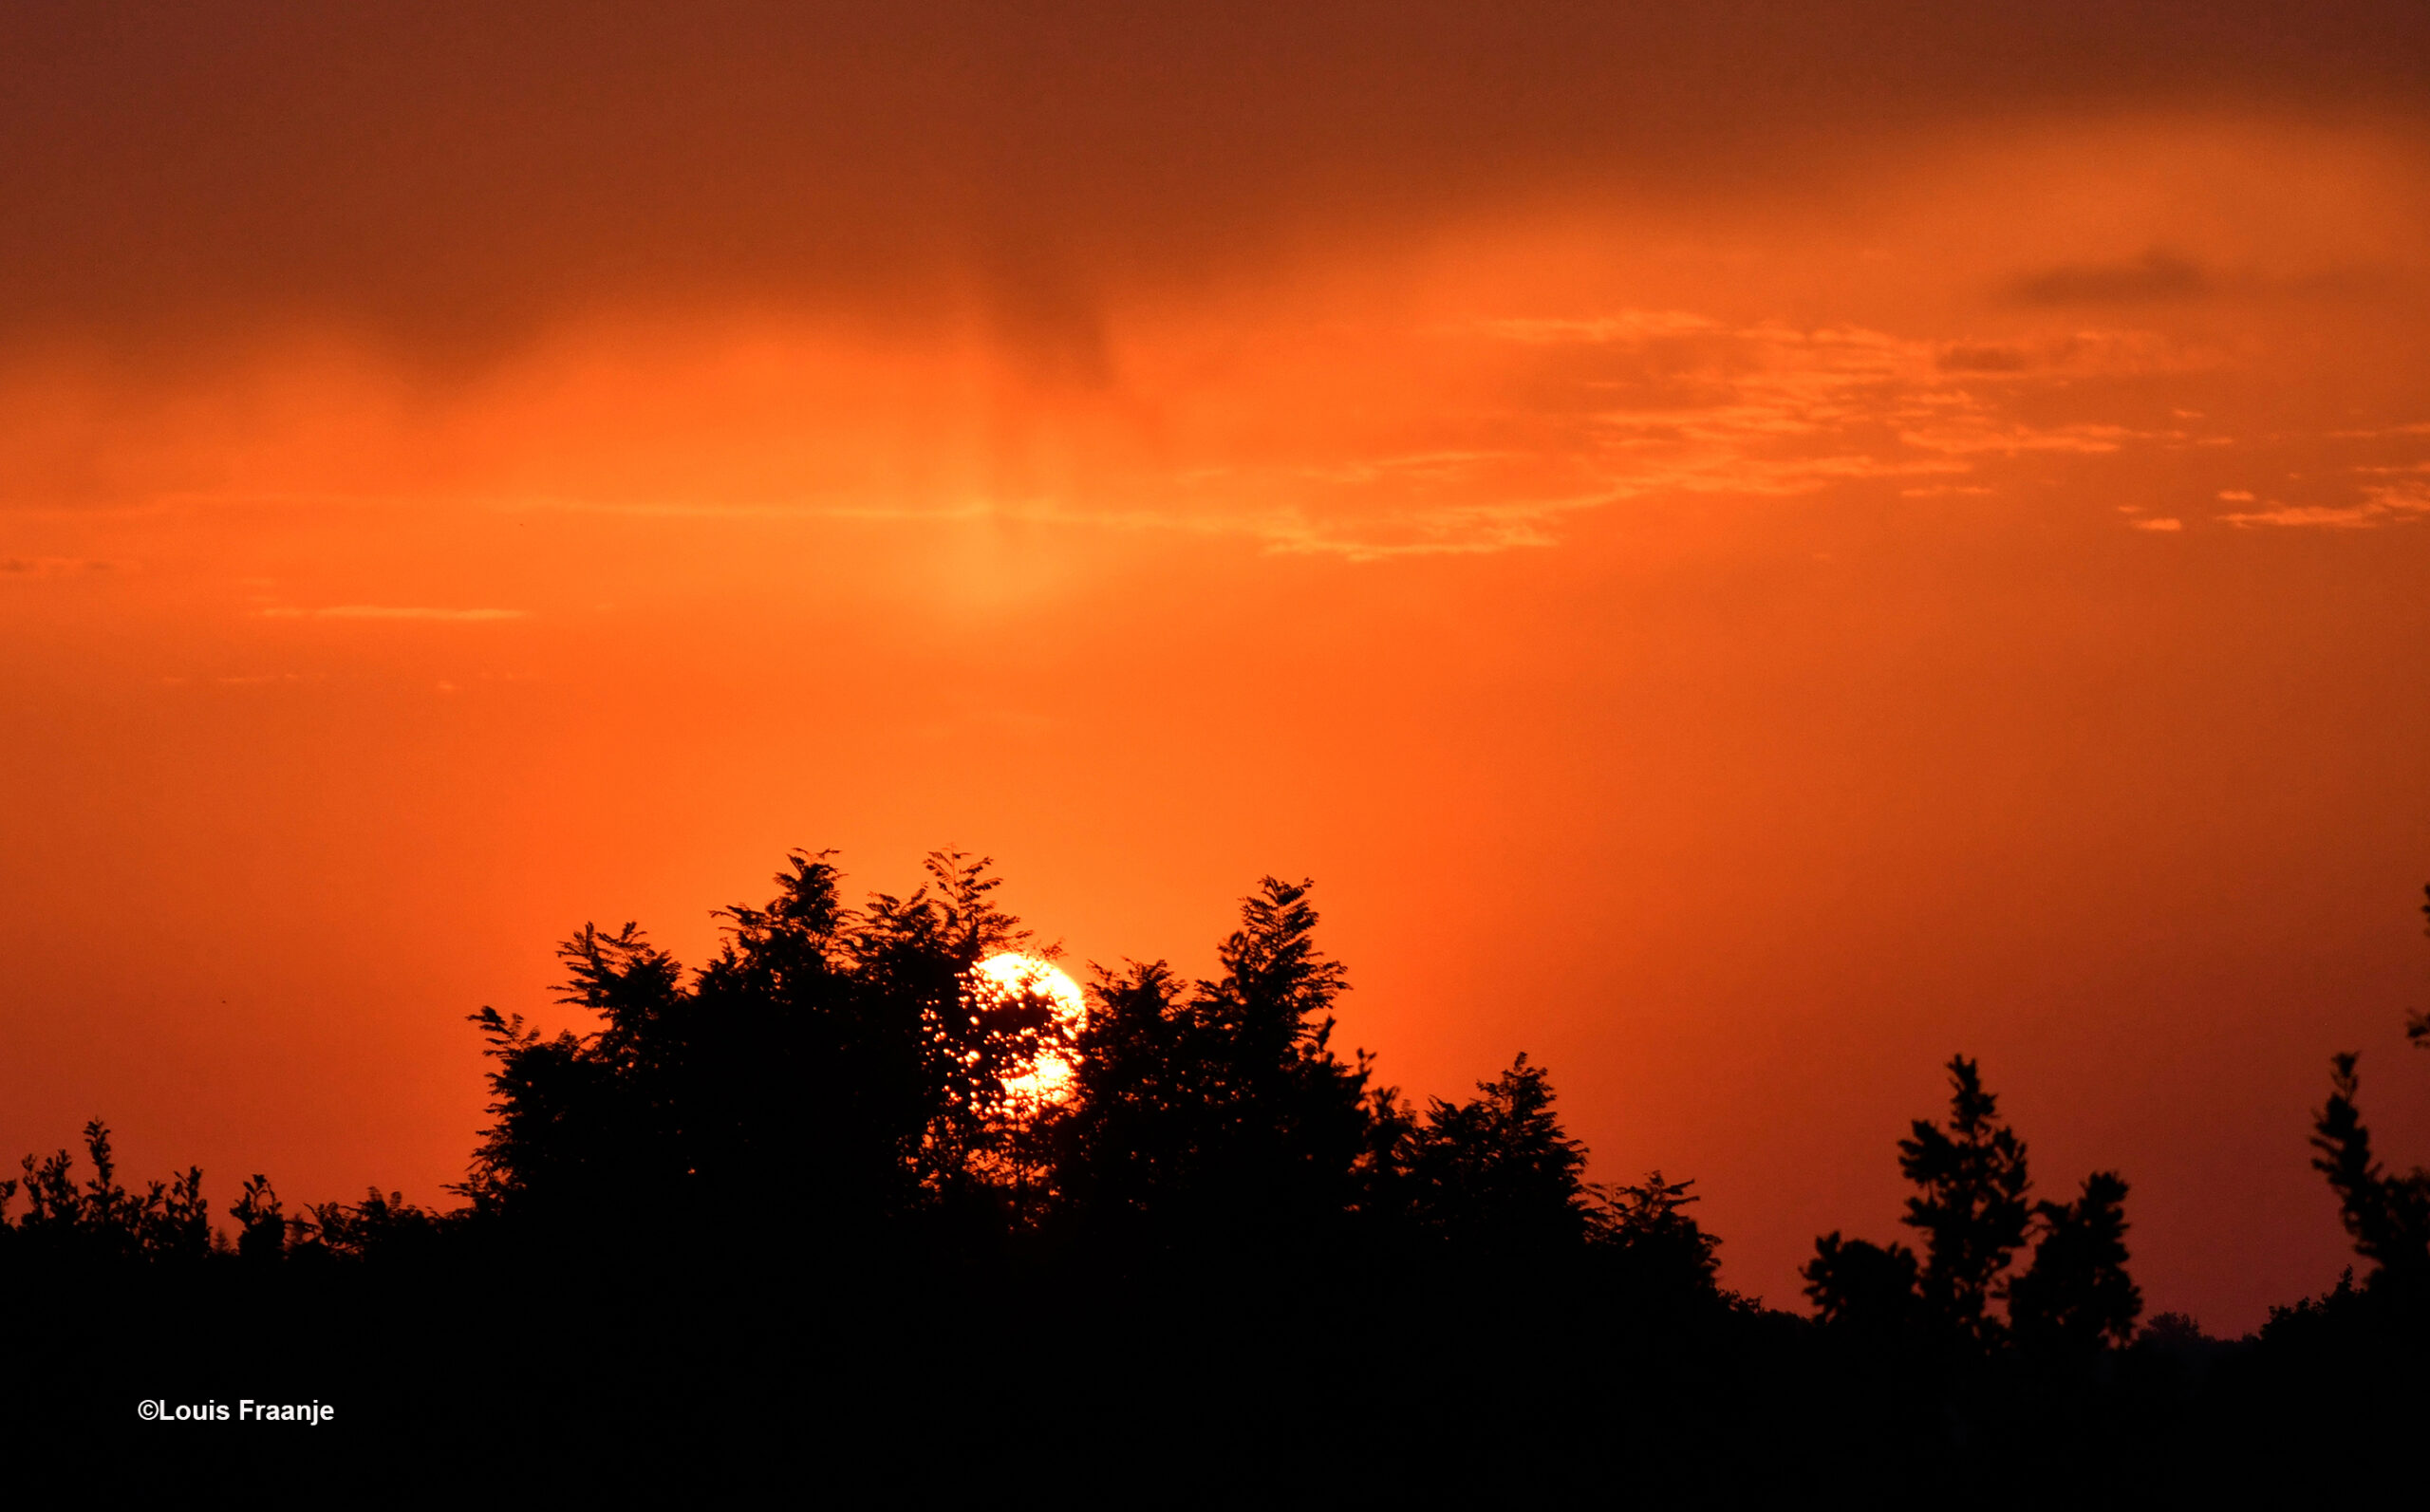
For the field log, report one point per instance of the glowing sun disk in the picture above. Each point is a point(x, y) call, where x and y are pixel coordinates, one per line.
point(1011, 973)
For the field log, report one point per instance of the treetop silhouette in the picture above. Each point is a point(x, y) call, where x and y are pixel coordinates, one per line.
point(1974, 1211)
point(2387, 1214)
point(812, 1138)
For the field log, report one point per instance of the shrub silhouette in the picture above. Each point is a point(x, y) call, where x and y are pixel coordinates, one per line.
point(100, 1222)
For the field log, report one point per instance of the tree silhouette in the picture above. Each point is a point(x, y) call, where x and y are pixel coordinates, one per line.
point(1288, 1117)
point(1497, 1170)
point(1223, 1240)
point(913, 956)
point(847, 1047)
point(1661, 1250)
point(2387, 1216)
point(1972, 1209)
point(2076, 1295)
point(1220, 1115)
point(584, 1123)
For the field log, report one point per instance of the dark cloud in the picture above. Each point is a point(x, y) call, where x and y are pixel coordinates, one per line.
point(1968, 358)
point(52, 565)
point(2153, 277)
point(452, 175)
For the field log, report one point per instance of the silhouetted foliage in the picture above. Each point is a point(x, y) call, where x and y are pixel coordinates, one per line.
point(1660, 1250)
point(1220, 1115)
point(2072, 1300)
point(1867, 1287)
point(793, 1196)
point(1972, 1209)
point(380, 1228)
point(2076, 1295)
point(99, 1220)
point(848, 1050)
point(2387, 1215)
point(1497, 1170)
point(261, 1221)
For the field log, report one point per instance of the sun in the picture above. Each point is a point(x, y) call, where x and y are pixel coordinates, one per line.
point(1012, 974)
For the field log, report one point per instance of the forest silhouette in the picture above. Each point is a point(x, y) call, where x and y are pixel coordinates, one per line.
point(796, 1207)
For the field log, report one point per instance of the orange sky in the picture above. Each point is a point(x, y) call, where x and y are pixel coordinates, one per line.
point(1745, 555)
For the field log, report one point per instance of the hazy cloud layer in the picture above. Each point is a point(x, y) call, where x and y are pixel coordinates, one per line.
point(449, 176)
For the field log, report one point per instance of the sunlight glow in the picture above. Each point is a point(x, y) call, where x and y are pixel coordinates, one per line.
point(1013, 975)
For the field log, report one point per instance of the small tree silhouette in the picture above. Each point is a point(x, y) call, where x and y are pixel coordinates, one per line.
point(2387, 1214)
point(1971, 1210)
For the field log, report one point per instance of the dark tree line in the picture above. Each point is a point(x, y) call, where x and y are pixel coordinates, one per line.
point(851, 1055)
point(821, 1146)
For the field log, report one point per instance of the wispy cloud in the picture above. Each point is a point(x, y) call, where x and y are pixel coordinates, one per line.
point(2382, 504)
point(385, 611)
point(1641, 404)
